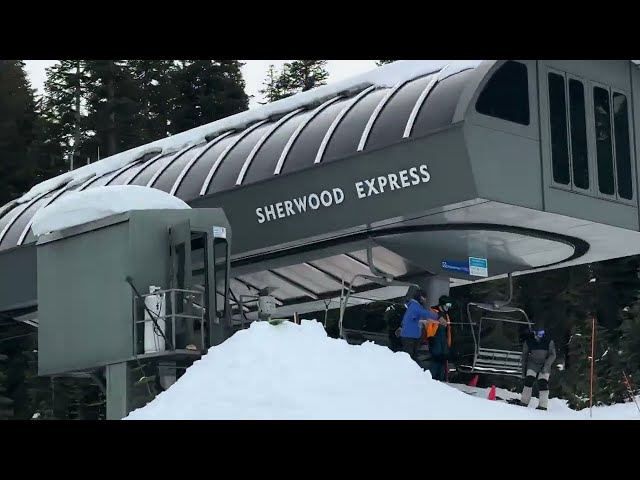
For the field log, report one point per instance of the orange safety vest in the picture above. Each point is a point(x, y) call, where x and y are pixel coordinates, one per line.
point(432, 328)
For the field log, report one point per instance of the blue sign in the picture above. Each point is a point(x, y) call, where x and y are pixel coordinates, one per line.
point(454, 266)
point(478, 267)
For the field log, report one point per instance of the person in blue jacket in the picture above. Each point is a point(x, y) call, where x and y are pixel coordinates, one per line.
point(411, 330)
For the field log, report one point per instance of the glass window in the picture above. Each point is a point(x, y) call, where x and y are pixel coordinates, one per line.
point(623, 148)
point(604, 147)
point(578, 126)
point(558, 121)
point(220, 252)
point(506, 95)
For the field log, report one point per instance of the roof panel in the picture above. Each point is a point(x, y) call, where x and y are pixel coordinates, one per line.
point(121, 177)
point(284, 290)
point(304, 150)
point(143, 176)
point(15, 232)
point(310, 278)
point(390, 125)
point(10, 238)
point(167, 178)
point(343, 267)
point(437, 111)
point(267, 157)
point(346, 137)
point(193, 180)
point(227, 172)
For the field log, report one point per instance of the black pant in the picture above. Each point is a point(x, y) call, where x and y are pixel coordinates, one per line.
point(410, 345)
point(438, 369)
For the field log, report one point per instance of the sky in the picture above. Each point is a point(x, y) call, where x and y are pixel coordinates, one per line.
point(254, 72)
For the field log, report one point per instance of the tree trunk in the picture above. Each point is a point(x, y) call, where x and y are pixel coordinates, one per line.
point(111, 129)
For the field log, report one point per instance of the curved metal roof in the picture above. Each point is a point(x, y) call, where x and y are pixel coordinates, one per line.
point(340, 127)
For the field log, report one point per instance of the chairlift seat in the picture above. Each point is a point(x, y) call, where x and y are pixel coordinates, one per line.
point(500, 360)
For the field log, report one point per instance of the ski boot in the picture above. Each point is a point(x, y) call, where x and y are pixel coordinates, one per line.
point(517, 401)
point(541, 408)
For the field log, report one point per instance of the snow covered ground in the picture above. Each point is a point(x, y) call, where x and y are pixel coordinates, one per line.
point(291, 371)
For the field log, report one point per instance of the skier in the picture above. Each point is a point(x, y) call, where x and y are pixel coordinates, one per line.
point(538, 355)
point(393, 316)
point(438, 336)
point(412, 323)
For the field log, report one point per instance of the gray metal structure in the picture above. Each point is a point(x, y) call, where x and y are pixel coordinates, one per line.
point(528, 164)
point(93, 280)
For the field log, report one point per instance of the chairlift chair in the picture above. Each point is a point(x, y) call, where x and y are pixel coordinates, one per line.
point(498, 361)
point(380, 278)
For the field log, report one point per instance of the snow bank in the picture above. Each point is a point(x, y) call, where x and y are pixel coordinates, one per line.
point(100, 202)
point(381, 77)
point(291, 371)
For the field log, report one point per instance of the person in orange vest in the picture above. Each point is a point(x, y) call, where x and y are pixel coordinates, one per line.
point(438, 336)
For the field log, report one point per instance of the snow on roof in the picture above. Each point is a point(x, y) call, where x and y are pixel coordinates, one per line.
point(100, 202)
point(382, 77)
point(291, 371)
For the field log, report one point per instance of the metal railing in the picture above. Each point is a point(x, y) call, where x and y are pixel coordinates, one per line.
point(180, 307)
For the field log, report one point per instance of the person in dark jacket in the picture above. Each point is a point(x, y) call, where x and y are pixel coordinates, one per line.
point(393, 316)
point(538, 355)
point(439, 339)
point(412, 323)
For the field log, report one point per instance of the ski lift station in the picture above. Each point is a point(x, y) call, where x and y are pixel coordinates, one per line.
point(426, 173)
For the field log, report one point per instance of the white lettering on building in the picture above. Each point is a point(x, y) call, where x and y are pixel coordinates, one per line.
point(335, 196)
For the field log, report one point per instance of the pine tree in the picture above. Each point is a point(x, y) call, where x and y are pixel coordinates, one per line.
point(6, 403)
point(17, 115)
point(206, 91)
point(113, 105)
point(272, 90)
point(302, 75)
point(383, 62)
point(153, 81)
point(65, 91)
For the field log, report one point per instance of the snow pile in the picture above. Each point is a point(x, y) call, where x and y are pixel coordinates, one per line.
point(382, 77)
point(291, 371)
point(100, 202)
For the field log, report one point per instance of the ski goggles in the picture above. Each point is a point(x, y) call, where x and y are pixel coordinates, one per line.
point(448, 305)
point(539, 333)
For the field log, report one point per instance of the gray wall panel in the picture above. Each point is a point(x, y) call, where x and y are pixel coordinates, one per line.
point(506, 167)
point(18, 278)
point(614, 73)
point(444, 154)
point(93, 336)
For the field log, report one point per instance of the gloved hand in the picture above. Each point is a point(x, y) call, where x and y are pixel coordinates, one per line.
point(443, 321)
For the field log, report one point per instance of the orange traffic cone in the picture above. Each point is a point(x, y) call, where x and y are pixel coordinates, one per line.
point(492, 393)
point(474, 381)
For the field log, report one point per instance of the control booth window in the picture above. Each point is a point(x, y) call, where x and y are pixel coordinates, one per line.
point(604, 144)
point(623, 147)
point(506, 95)
point(558, 127)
